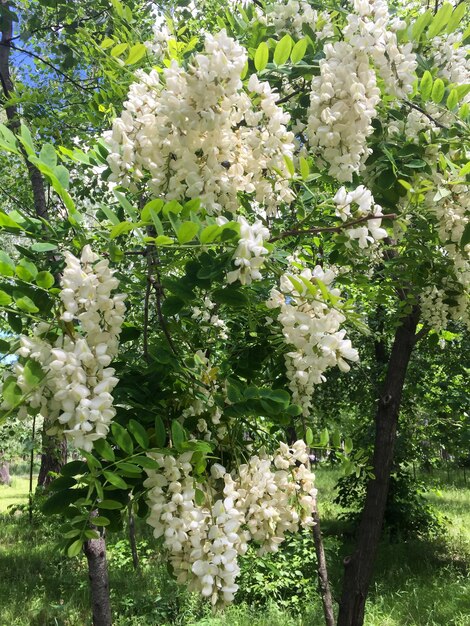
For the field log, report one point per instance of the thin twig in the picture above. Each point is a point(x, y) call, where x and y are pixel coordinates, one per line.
point(331, 229)
point(48, 63)
point(430, 117)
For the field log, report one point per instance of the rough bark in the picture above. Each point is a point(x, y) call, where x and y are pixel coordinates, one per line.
point(359, 566)
point(53, 458)
point(5, 478)
point(322, 571)
point(50, 460)
point(95, 552)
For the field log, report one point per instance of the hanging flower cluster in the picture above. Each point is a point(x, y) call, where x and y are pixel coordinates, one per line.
point(345, 95)
point(209, 320)
point(195, 133)
point(206, 526)
point(74, 393)
point(203, 400)
point(356, 204)
point(250, 253)
point(311, 326)
point(291, 15)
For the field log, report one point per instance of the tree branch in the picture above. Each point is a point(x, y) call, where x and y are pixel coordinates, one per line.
point(11, 45)
point(331, 229)
point(430, 117)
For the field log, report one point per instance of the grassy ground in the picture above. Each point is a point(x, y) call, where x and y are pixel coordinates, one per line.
point(416, 584)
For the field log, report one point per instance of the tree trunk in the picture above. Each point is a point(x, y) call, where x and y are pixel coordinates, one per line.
point(5, 478)
point(322, 572)
point(95, 551)
point(53, 458)
point(359, 566)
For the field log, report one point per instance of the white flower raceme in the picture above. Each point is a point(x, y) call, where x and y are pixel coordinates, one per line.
point(74, 395)
point(291, 15)
point(208, 320)
point(356, 204)
point(343, 104)
point(453, 59)
point(250, 253)
point(205, 527)
point(311, 327)
point(195, 133)
point(345, 95)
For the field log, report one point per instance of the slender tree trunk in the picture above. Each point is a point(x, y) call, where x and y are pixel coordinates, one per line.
point(53, 458)
point(55, 462)
point(5, 478)
point(95, 551)
point(322, 571)
point(132, 541)
point(359, 566)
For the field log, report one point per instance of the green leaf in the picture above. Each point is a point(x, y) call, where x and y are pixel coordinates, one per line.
point(421, 23)
point(210, 233)
point(178, 435)
point(154, 205)
point(172, 305)
point(45, 280)
point(289, 164)
point(126, 205)
point(33, 373)
point(115, 480)
point(25, 303)
point(11, 393)
point(43, 247)
point(74, 468)
point(146, 462)
point(261, 56)
point(104, 450)
point(106, 43)
point(438, 90)
point(298, 51)
point(294, 410)
point(91, 534)
point(163, 240)
point(75, 548)
point(425, 86)
point(136, 53)
point(122, 438)
point(309, 436)
point(7, 222)
point(5, 299)
point(48, 155)
point(452, 99)
point(324, 437)
point(466, 236)
point(187, 231)
point(119, 49)
point(304, 168)
point(160, 432)
point(26, 270)
point(26, 139)
point(282, 50)
point(100, 521)
point(230, 296)
point(61, 483)
point(139, 433)
point(110, 505)
point(457, 16)
point(199, 497)
point(440, 20)
point(121, 229)
point(7, 267)
point(336, 439)
point(348, 445)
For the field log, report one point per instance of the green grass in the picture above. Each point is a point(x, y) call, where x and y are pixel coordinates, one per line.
point(416, 583)
point(15, 493)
